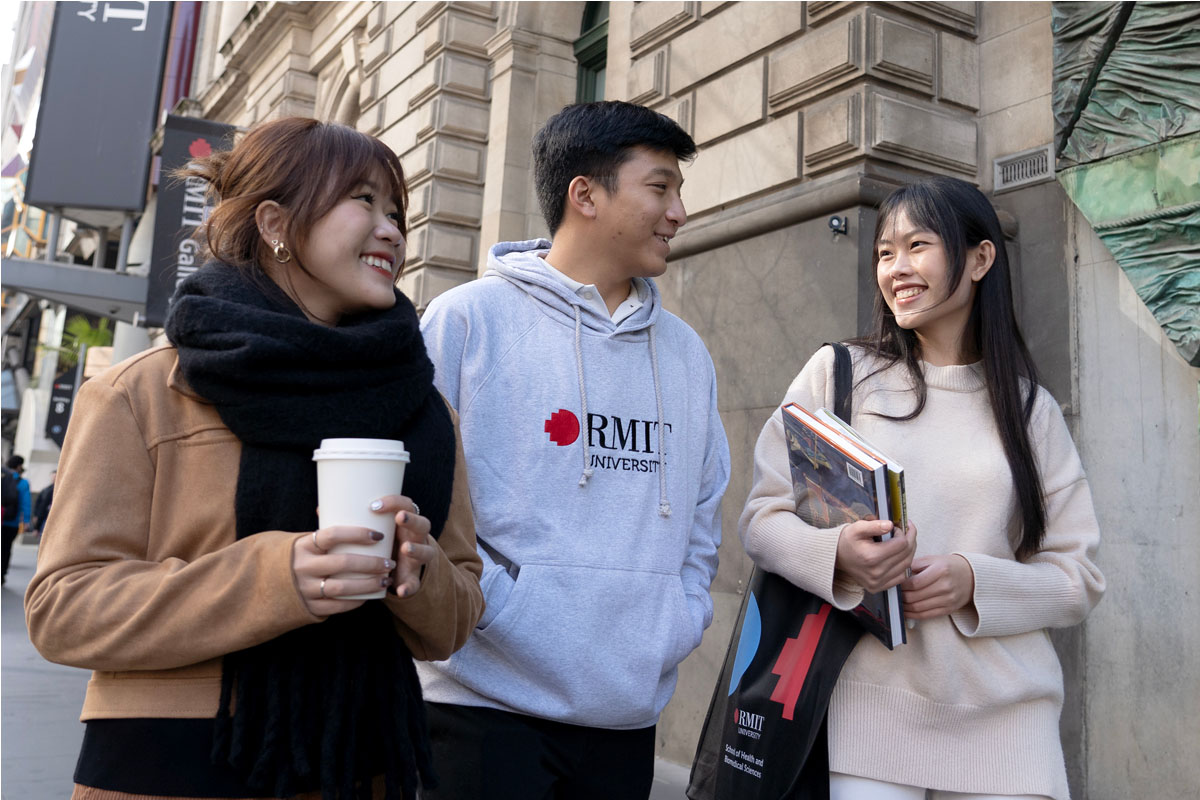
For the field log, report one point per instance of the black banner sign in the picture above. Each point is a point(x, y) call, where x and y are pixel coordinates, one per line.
point(62, 396)
point(181, 209)
point(99, 101)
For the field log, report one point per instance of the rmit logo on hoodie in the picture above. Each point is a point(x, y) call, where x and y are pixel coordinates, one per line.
point(613, 434)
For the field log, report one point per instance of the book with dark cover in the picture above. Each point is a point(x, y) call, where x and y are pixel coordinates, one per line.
point(897, 498)
point(835, 481)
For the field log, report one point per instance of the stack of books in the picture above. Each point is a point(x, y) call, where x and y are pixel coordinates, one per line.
point(838, 477)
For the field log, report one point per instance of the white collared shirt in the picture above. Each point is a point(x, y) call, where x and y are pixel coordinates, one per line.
point(591, 294)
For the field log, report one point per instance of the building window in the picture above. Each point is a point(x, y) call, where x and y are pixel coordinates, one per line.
point(591, 51)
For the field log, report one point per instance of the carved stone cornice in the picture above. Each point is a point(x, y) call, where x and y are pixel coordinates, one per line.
point(222, 91)
point(264, 24)
point(802, 201)
point(863, 184)
point(513, 48)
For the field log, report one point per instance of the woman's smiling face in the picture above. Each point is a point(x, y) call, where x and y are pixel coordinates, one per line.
point(914, 277)
point(352, 255)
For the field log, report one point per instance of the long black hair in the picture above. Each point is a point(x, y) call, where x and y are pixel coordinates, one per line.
point(962, 217)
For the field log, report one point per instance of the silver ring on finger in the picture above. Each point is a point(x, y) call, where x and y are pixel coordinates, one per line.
point(322, 549)
point(416, 509)
point(323, 588)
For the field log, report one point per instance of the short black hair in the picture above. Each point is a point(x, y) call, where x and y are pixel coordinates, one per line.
point(15, 462)
point(594, 140)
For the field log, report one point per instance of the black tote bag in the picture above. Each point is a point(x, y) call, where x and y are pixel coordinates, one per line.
point(764, 737)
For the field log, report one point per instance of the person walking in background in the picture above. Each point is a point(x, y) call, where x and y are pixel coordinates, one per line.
point(15, 508)
point(41, 506)
point(598, 462)
point(186, 569)
point(969, 707)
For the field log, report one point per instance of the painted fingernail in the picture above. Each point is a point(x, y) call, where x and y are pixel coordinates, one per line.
point(408, 549)
point(403, 517)
point(377, 536)
point(376, 505)
point(385, 582)
point(402, 591)
point(388, 563)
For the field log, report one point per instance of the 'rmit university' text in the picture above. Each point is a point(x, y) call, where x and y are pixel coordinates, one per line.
point(629, 436)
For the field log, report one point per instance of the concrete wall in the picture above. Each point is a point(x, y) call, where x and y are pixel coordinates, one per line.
point(1137, 434)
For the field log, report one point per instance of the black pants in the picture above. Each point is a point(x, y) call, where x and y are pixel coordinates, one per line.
point(485, 754)
point(10, 536)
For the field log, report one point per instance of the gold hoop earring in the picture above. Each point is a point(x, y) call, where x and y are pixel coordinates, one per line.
point(282, 254)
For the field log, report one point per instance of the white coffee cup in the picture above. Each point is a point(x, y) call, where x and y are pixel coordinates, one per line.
point(352, 474)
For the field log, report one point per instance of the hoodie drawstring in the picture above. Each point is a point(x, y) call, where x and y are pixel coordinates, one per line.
point(587, 470)
point(664, 507)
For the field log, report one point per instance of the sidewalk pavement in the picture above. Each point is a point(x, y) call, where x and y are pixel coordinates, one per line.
point(40, 702)
point(40, 730)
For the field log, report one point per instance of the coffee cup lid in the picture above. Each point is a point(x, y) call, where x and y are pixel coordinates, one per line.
point(381, 449)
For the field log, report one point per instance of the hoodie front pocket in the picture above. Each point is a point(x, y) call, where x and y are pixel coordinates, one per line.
point(587, 645)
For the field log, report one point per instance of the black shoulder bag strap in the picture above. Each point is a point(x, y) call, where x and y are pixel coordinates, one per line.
point(843, 377)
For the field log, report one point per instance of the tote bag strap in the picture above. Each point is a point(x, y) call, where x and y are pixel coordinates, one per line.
point(843, 376)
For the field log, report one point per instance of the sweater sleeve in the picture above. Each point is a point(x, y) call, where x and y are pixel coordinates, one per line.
point(1058, 586)
point(704, 538)
point(774, 537)
point(97, 601)
point(436, 620)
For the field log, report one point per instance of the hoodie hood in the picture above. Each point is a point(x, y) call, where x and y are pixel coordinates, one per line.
point(523, 264)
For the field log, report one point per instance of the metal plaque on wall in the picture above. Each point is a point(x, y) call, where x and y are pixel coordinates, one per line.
point(99, 100)
point(182, 209)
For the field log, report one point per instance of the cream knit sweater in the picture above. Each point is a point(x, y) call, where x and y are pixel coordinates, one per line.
point(971, 703)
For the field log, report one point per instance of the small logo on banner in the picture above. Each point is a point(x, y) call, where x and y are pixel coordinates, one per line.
point(200, 148)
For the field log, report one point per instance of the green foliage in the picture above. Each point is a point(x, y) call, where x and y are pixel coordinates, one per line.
point(80, 331)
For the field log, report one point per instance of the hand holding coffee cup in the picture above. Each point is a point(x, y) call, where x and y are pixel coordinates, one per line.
point(358, 484)
point(326, 579)
point(414, 546)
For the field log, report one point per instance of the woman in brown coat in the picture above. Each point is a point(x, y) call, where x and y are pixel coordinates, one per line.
point(182, 560)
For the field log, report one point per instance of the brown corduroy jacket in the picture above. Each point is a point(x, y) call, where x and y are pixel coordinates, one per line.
point(141, 578)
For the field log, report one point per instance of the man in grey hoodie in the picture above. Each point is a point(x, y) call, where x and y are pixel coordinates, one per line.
point(597, 462)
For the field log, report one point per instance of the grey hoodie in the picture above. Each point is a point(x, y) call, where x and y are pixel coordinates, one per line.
point(597, 463)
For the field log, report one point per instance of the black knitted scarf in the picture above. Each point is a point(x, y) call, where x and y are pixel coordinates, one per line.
point(333, 704)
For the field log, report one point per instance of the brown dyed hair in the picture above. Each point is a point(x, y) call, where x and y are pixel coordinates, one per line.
point(305, 165)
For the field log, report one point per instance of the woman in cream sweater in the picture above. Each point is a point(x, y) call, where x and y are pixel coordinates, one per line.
point(969, 707)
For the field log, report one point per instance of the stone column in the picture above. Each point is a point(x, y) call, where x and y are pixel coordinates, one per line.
point(533, 77)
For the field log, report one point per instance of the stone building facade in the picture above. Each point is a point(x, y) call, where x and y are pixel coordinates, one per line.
point(804, 112)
